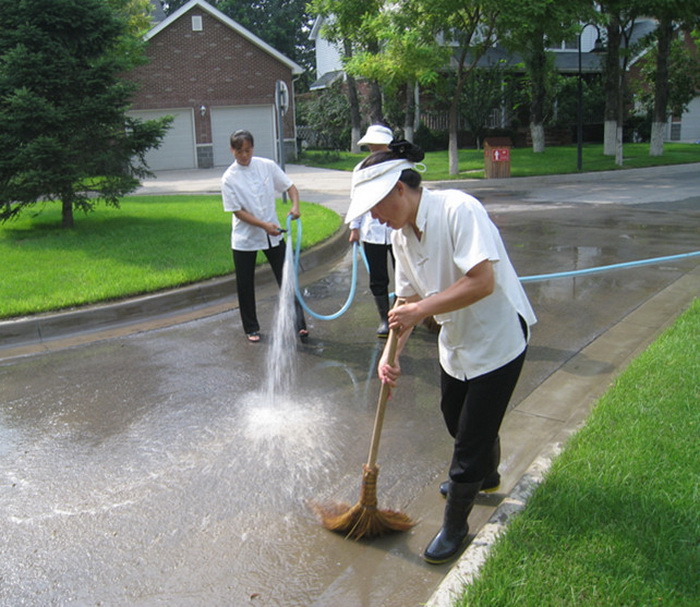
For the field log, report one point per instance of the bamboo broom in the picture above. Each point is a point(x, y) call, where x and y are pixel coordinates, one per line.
point(365, 519)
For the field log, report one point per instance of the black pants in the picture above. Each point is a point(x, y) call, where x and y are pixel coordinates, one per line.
point(378, 267)
point(244, 262)
point(473, 410)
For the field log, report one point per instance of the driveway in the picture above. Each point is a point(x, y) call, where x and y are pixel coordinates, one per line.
point(149, 463)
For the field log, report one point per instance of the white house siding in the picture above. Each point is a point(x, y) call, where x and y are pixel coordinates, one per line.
point(690, 122)
point(327, 58)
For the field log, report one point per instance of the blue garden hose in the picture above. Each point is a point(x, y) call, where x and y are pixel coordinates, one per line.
point(615, 266)
point(353, 281)
point(524, 279)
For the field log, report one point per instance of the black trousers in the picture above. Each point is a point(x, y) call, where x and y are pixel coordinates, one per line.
point(378, 267)
point(244, 262)
point(473, 410)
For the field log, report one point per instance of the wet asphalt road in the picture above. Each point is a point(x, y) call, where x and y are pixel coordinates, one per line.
point(152, 468)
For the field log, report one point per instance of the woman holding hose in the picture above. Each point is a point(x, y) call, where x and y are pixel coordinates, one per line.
point(451, 264)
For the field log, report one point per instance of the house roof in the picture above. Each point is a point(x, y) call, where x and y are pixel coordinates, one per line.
point(157, 12)
point(564, 61)
point(237, 27)
point(316, 27)
point(326, 80)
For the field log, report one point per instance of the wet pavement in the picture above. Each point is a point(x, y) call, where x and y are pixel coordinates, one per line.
point(144, 462)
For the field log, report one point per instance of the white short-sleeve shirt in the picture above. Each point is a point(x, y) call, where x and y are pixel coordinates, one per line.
point(371, 230)
point(457, 235)
point(253, 188)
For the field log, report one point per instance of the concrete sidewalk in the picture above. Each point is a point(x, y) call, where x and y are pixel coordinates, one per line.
point(322, 186)
point(332, 188)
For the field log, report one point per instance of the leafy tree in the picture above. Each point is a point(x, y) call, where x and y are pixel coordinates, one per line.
point(619, 17)
point(346, 25)
point(328, 115)
point(670, 14)
point(526, 29)
point(65, 133)
point(472, 27)
point(408, 56)
point(483, 93)
point(682, 81)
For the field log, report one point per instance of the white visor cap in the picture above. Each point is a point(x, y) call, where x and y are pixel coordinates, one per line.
point(378, 135)
point(371, 184)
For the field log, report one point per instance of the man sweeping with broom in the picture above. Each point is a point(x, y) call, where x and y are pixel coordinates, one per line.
point(451, 264)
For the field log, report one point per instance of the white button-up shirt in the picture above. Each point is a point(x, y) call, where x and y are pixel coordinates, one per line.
point(253, 188)
point(371, 230)
point(457, 235)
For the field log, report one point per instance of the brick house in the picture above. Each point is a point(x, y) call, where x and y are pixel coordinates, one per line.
point(213, 76)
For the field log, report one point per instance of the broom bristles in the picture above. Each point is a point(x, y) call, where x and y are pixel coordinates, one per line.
point(363, 519)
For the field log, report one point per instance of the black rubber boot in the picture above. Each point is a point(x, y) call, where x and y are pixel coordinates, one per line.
point(493, 480)
point(453, 535)
point(382, 302)
point(490, 484)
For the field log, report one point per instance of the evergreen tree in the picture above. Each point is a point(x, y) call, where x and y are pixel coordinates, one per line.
point(63, 103)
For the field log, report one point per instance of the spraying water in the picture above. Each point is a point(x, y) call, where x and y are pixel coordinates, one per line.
point(282, 354)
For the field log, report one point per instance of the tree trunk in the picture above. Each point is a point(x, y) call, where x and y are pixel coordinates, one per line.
point(453, 145)
point(665, 33)
point(537, 135)
point(609, 137)
point(353, 100)
point(619, 155)
point(537, 68)
point(67, 212)
point(656, 143)
point(410, 111)
point(453, 127)
point(612, 87)
point(376, 112)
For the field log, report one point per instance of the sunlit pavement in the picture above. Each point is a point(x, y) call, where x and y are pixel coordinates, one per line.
point(142, 462)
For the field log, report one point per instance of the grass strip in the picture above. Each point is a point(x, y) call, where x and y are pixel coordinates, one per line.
point(150, 243)
point(524, 162)
point(616, 520)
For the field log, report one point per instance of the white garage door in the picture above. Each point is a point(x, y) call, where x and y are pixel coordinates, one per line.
point(177, 150)
point(258, 119)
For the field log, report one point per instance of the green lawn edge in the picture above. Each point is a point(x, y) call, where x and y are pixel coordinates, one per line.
point(615, 521)
point(559, 160)
point(151, 243)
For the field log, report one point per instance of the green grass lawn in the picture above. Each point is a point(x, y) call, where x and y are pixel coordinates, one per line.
point(150, 243)
point(616, 520)
point(524, 163)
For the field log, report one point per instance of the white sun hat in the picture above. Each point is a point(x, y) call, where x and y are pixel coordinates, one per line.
point(371, 184)
point(377, 134)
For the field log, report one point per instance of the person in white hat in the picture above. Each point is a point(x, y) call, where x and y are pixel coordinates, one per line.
point(376, 238)
point(451, 263)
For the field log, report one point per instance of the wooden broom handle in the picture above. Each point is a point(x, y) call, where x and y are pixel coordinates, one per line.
point(383, 397)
